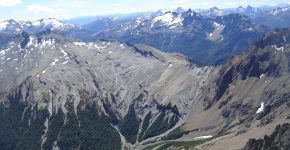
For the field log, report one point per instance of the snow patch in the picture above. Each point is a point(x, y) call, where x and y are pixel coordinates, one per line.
point(170, 65)
point(122, 46)
point(217, 24)
point(96, 46)
point(261, 108)
point(168, 19)
point(44, 71)
point(79, 43)
point(2, 53)
point(47, 43)
point(203, 137)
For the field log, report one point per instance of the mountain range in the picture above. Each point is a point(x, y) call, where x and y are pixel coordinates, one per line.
point(142, 83)
point(205, 40)
point(208, 36)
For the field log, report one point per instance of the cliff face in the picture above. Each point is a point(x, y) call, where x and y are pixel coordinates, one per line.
point(278, 140)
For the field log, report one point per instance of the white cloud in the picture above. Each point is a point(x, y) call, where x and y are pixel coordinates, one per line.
point(9, 3)
point(287, 1)
point(35, 8)
point(183, 2)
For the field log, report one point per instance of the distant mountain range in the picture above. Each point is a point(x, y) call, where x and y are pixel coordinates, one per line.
point(208, 36)
point(16, 27)
point(203, 39)
point(272, 17)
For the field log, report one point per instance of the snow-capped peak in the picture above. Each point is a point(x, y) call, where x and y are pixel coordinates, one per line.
point(215, 12)
point(278, 11)
point(168, 19)
point(17, 27)
point(53, 24)
point(46, 22)
point(3, 24)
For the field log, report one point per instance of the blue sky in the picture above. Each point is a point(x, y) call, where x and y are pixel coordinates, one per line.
point(63, 9)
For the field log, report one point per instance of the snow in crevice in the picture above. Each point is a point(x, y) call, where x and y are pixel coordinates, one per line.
point(278, 48)
point(216, 34)
point(54, 62)
point(170, 65)
point(261, 108)
point(44, 136)
point(65, 62)
point(262, 75)
point(64, 53)
point(30, 43)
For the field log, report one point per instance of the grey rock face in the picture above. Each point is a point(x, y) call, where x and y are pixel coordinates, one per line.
point(143, 90)
point(278, 140)
point(51, 71)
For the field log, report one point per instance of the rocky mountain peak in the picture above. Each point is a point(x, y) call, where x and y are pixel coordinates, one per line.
point(190, 12)
point(180, 10)
point(279, 139)
point(240, 8)
point(264, 57)
point(250, 9)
